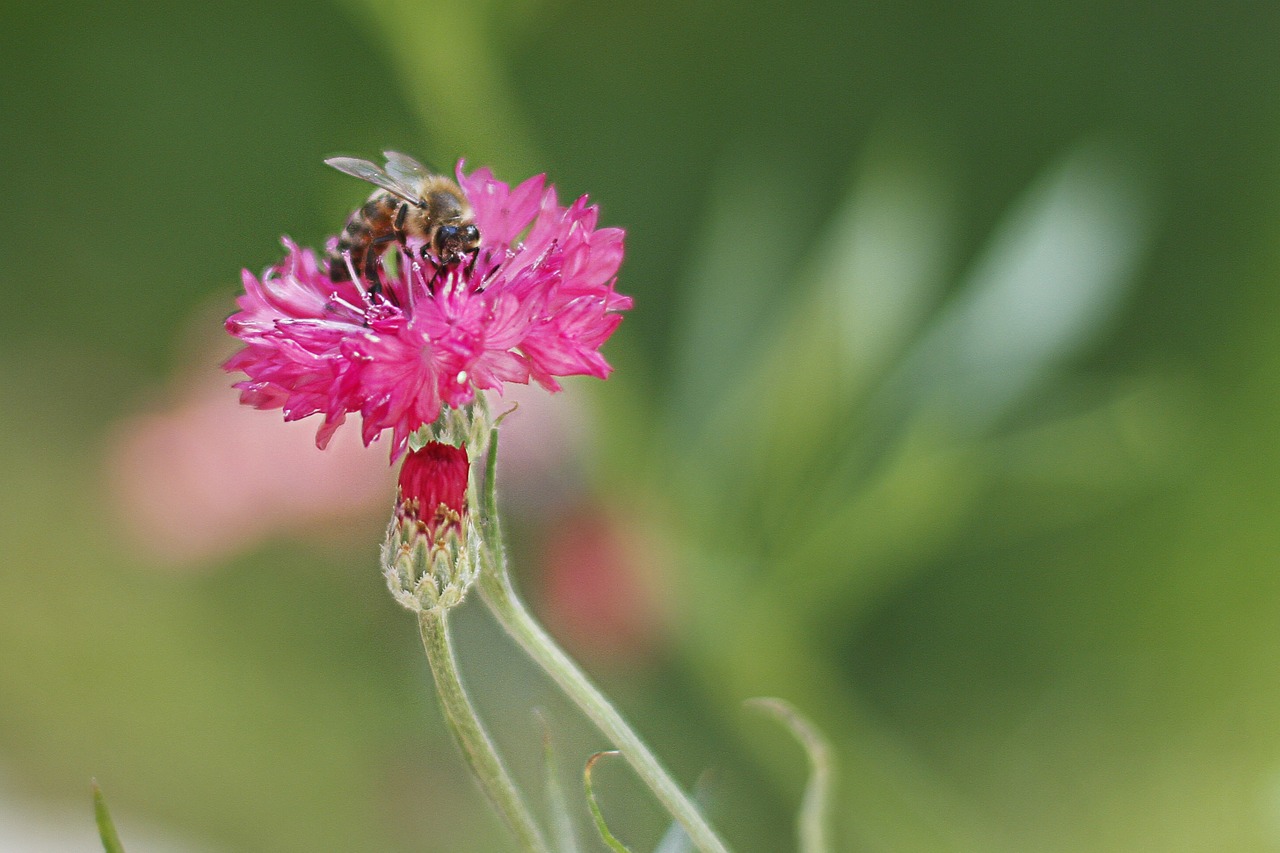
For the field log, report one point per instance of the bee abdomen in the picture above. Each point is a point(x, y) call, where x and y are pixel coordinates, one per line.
point(369, 225)
point(352, 243)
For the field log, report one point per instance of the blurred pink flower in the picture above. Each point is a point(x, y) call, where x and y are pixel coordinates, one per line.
point(546, 441)
point(203, 479)
point(535, 308)
point(599, 588)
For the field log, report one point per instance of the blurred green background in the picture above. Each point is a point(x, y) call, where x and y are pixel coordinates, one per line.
point(946, 411)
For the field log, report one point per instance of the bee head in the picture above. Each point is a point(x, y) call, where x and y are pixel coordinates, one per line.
point(452, 242)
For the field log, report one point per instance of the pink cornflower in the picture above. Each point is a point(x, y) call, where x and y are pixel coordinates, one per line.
point(537, 304)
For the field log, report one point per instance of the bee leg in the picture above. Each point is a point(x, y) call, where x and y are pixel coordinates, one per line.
point(493, 270)
point(371, 258)
point(397, 229)
point(398, 233)
point(431, 259)
point(371, 279)
point(471, 268)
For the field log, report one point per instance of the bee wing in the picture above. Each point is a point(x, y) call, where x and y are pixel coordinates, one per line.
point(366, 171)
point(405, 169)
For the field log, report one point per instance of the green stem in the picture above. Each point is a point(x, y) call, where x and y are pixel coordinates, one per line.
point(500, 595)
point(476, 745)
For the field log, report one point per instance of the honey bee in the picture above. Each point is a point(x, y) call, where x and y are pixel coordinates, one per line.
point(411, 201)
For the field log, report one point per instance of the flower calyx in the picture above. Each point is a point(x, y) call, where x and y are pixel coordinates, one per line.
point(431, 554)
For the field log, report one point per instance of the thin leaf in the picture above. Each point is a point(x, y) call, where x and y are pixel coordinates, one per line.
point(1052, 276)
point(564, 835)
point(676, 840)
point(601, 827)
point(884, 252)
point(815, 806)
point(747, 257)
point(106, 829)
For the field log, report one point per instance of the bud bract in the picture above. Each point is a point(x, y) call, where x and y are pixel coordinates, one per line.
point(431, 553)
